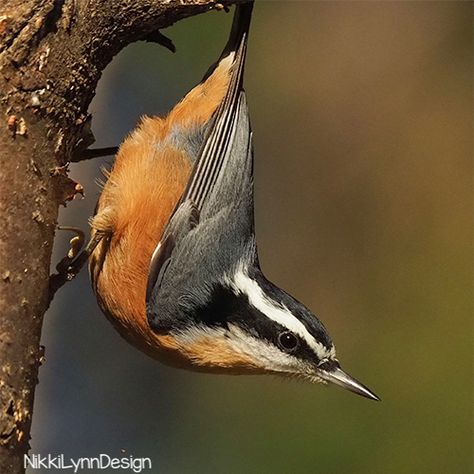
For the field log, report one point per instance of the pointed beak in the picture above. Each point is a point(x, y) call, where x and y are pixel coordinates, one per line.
point(332, 372)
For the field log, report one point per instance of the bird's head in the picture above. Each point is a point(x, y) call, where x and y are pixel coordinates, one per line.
point(248, 324)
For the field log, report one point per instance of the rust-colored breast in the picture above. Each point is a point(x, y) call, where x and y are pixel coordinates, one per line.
point(133, 210)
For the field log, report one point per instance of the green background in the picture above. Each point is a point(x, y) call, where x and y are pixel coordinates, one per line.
point(362, 118)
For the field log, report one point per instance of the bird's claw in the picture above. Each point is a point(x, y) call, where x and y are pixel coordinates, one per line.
point(77, 242)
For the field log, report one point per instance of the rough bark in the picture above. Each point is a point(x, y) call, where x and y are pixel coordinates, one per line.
point(52, 53)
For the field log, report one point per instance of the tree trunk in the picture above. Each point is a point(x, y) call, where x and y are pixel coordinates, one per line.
point(52, 53)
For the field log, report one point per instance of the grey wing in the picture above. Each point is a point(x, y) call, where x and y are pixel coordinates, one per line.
point(214, 217)
point(217, 144)
point(203, 244)
point(229, 125)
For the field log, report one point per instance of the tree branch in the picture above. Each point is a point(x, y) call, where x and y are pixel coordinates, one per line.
point(52, 53)
point(91, 153)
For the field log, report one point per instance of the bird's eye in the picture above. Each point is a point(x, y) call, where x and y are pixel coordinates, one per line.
point(288, 341)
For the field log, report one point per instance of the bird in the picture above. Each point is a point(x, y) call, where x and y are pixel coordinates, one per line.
point(173, 256)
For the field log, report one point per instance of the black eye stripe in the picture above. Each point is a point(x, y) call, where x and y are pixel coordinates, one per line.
point(309, 320)
point(225, 307)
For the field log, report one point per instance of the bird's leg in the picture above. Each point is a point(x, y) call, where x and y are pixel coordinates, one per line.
point(76, 242)
point(78, 262)
point(72, 263)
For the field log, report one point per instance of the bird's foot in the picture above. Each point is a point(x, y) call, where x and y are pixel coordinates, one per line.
point(65, 265)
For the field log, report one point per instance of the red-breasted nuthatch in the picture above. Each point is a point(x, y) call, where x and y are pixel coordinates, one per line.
point(174, 261)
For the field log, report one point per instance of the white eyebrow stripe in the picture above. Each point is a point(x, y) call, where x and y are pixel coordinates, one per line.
point(242, 283)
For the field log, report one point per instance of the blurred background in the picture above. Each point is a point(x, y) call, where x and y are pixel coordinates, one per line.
point(362, 114)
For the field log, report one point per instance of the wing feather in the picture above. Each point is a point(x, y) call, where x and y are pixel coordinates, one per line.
point(215, 151)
